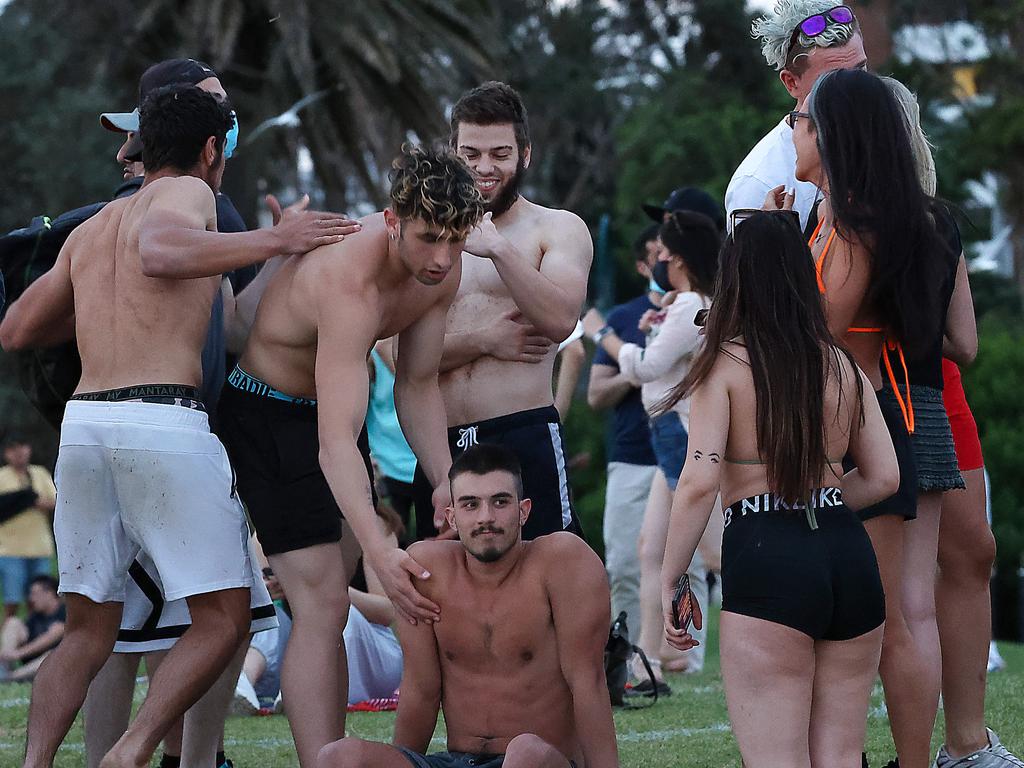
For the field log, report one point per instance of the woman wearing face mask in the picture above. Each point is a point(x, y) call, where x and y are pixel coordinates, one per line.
point(881, 268)
point(687, 267)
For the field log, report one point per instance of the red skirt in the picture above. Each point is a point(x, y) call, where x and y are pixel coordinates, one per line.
point(965, 429)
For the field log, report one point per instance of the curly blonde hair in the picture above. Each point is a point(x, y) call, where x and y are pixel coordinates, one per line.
point(776, 30)
point(434, 185)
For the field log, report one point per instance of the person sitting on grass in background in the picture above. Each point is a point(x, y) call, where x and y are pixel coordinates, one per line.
point(516, 663)
point(27, 642)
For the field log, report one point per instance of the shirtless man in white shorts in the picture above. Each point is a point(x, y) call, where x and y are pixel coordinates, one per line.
point(138, 468)
point(523, 283)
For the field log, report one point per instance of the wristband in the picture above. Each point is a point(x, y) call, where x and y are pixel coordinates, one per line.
point(601, 333)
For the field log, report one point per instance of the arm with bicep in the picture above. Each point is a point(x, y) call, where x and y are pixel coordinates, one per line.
point(694, 499)
point(418, 399)
point(178, 237)
point(606, 387)
point(846, 274)
point(345, 332)
point(579, 598)
point(421, 684)
point(960, 340)
point(44, 314)
point(877, 473)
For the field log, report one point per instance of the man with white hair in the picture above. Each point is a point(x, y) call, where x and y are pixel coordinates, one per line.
point(801, 39)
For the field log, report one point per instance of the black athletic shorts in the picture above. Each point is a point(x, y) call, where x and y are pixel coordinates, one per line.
point(535, 436)
point(904, 501)
point(819, 578)
point(274, 449)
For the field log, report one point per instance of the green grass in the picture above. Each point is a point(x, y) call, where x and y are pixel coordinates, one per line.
point(687, 730)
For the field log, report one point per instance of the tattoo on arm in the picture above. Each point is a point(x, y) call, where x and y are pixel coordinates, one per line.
point(713, 456)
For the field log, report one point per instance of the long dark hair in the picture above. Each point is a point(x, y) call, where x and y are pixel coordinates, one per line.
point(767, 295)
point(695, 239)
point(876, 194)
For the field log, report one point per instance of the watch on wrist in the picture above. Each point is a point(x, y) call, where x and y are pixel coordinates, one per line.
point(601, 333)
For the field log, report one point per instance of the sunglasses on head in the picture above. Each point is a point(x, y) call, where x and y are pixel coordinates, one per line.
point(814, 25)
point(740, 215)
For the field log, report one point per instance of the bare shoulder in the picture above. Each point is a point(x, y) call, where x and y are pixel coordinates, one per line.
point(180, 188)
point(558, 221)
point(348, 266)
point(438, 557)
point(562, 553)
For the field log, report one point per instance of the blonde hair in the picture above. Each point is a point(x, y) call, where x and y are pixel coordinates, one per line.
point(919, 144)
point(434, 185)
point(775, 30)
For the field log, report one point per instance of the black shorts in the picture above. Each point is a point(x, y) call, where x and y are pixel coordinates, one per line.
point(274, 448)
point(821, 581)
point(904, 502)
point(535, 436)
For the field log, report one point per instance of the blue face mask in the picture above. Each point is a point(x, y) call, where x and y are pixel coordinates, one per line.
point(231, 140)
point(654, 287)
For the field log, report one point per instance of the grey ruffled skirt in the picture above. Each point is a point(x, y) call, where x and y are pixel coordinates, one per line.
point(932, 441)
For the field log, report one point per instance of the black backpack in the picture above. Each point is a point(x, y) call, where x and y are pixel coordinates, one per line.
point(617, 652)
point(47, 376)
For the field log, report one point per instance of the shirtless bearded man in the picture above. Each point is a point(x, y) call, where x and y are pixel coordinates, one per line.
point(517, 663)
point(138, 469)
point(292, 416)
point(523, 284)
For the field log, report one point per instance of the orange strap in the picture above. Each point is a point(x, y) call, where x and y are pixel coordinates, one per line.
point(906, 406)
point(819, 265)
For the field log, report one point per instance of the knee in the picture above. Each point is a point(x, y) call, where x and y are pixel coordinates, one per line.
point(325, 608)
point(527, 749)
point(969, 559)
point(338, 754)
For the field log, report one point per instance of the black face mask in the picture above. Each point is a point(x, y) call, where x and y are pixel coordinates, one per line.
point(660, 275)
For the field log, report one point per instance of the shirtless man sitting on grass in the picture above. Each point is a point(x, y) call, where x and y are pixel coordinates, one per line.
point(517, 662)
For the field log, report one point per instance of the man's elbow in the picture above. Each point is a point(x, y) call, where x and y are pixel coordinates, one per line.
point(153, 264)
point(15, 335)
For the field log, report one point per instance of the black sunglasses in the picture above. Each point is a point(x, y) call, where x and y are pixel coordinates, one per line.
point(740, 215)
point(793, 116)
point(701, 318)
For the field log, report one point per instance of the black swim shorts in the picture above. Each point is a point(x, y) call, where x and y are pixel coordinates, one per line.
point(536, 437)
point(274, 448)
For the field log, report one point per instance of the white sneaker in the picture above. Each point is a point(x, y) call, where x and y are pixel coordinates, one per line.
point(245, 702)
point(995, 755)
point(995, 661)
point(279, 704)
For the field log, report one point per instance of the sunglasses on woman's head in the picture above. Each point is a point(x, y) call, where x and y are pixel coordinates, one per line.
point(740, 215)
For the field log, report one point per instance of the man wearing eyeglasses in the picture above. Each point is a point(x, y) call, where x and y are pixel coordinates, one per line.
point(801, 39)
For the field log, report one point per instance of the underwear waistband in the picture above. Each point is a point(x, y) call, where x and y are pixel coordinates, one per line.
point(822, 498)
point(246, 382)
point(478, 431)
point(181, 395)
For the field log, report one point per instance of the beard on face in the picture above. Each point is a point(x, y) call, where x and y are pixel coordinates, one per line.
point(508, 194)
point(493, 552)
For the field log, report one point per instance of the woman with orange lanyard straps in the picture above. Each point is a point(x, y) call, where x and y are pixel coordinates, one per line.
point(881, 279)
point(966, 549)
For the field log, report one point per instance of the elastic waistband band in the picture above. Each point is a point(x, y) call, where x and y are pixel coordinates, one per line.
point(159, 394)
point(823, 498)
point(546, 415)
point(133, 413)
point(251, 385)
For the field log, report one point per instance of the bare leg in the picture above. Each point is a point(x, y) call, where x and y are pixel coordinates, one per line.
point(920, 566)
point(63, 680)
point(108, 705)
point(13, 633)
point(254, 666)
point(901, 667)
point(314, 671)
point(529, 751)
point(220, 622)
point(172, 739)
point(652, 553)
point(844, 674)
point(204, 721)
point(768, 672)
point(967, 551)
point(350, 752)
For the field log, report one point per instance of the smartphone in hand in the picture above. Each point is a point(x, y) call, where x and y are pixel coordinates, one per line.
point(682, 604)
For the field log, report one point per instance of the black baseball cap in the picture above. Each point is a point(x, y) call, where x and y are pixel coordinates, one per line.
point(688, 199)
point(169, 72)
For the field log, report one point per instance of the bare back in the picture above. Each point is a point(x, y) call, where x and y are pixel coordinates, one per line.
point(133, 329)
point(488, 387)
point(743, 473)
point(498, 651)
point(282, 344)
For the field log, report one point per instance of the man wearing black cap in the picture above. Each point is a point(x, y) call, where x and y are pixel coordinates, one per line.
point(687, 199)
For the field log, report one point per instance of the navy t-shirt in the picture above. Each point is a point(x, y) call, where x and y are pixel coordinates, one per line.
point(629, 439)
